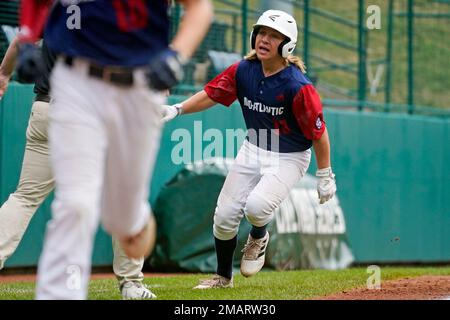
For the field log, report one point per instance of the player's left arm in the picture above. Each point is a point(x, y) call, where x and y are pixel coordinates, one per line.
point(308, 111)
point(322, 150)
point(326, 186)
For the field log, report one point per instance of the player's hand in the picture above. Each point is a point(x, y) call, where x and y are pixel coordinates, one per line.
point(170, 112)
point(326, 186)
point(165, 70)
point(4, 81)
point(29, 63)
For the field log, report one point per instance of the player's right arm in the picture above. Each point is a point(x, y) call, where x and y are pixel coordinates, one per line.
point(222, 89)
point(33, 17)
point(166, 69)
point(194, 26)
point(8, 64)
point(198, 102)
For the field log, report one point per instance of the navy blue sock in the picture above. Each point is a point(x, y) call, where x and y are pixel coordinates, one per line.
point(225, 252)
point(258, 232)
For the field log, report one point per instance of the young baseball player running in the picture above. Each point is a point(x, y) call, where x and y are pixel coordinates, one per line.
point(36, 181)
point(108, 86)
point(283, 114)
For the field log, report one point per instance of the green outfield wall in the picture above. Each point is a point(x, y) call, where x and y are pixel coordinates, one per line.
point(392, 174)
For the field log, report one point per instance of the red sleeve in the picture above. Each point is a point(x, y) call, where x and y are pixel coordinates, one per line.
point(308, 112)
point(33, 16)
point(222, 88)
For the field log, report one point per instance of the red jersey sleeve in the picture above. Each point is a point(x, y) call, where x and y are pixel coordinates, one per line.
point(307, 109)
point(222, 88)
point(33, 16)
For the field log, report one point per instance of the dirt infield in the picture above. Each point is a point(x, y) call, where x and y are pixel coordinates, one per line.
point(417, 288)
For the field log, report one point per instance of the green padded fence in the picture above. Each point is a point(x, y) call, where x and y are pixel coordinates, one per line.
point(392, 175)
point(394, 184)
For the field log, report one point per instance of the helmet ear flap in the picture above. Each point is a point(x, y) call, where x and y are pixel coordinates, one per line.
point(253, 37)
point(281, 46)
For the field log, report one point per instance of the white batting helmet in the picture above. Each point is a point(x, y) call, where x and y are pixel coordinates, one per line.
point(284, 23)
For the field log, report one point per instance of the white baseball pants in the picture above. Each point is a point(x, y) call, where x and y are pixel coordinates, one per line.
point(103, 144)
point(255, 186)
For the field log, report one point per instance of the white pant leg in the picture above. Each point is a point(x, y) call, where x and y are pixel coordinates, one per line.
point(99, 134)
point(35, 184)
point(134, 138)
point(278, 178)
point(78, 143)
point(243, 176)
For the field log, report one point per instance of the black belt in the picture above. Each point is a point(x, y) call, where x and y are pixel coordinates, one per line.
point(42, 97)
point(117, 75)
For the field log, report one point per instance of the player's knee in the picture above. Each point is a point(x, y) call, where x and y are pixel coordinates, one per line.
point(81, 210)
point(226, 223)
point(112, 227)
point(130, 224)
point(25, 199)
point(258, 210)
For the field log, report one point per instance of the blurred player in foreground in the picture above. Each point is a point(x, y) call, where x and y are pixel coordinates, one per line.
point(108, 86)
point(284, 118)
point(36, 180)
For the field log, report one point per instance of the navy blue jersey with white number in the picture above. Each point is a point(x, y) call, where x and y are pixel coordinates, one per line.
point(286, 103)
point(110, 32)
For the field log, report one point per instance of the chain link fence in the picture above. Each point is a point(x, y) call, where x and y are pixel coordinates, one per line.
point(400, 65)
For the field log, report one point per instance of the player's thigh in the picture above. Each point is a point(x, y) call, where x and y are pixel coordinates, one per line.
point(276, 183)
point(243, 175)
point(77, 161)
point(77, 139)
point(36, 179)
point(134, 143)
point(241, 179)
point(37, 131)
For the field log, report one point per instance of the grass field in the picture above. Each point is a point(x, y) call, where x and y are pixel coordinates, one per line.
point(268, 285)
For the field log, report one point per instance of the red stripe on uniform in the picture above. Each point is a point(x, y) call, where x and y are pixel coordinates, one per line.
point(33, 16)
point(222, 88)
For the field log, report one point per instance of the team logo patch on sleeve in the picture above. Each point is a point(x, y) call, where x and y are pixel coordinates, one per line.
point(318, 123)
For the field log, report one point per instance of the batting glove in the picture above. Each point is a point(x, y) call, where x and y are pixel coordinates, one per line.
point(29, 63)
point(326, 186)
point(165, 70)
point(170, 112)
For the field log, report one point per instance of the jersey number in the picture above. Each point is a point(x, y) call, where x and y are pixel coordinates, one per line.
point(131, 14)
point(282, 126)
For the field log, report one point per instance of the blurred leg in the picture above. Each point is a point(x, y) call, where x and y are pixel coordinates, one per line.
point(35, 184)
point(125, 268)
point(134, 144)
point(77, 147)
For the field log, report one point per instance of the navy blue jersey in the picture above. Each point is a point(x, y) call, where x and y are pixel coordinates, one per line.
point(112, 32)
point(286, 103)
